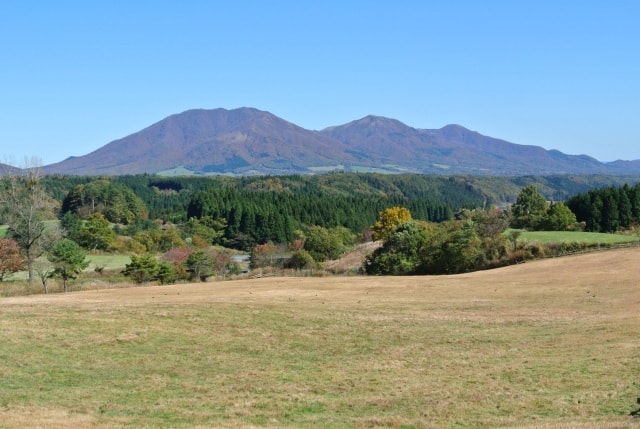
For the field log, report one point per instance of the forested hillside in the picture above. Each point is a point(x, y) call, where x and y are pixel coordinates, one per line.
point(271, 209)
point(169, 198)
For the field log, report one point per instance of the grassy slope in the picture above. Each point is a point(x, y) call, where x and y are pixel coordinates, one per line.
point(549, 343)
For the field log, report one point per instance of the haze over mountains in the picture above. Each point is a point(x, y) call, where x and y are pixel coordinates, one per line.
point(248, 141)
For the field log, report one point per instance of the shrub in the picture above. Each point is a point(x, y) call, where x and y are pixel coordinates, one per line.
point(200, 265)
point(301, 260)
point(143, 268)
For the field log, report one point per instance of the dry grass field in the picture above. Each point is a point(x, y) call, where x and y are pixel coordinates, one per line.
point(547, 344)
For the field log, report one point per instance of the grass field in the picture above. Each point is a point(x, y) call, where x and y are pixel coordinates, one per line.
point(47, 223)
point(549, 344)
point(576, 237)
point(108, 261)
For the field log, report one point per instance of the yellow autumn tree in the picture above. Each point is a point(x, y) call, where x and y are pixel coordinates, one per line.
point(388, 221)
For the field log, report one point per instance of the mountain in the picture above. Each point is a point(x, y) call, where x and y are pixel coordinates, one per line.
point(248, 141)
point(8, 170)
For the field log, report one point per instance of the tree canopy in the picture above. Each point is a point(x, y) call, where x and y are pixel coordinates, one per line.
point(529, 209)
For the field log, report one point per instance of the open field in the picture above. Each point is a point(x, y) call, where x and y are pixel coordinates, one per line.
point(550, 344)
point(576, 237)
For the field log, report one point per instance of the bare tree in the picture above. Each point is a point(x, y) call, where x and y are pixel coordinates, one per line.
point(44, 270)
point(25, 205)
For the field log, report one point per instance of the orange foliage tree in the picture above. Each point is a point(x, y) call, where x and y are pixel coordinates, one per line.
point(388, 221)
point(11, 260)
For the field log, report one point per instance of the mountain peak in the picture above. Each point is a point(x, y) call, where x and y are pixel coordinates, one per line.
point(246, 141)
point(378, 122)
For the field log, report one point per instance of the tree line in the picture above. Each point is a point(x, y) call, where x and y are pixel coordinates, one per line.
point(428, 224)
point(479, 239)
point(607, 209)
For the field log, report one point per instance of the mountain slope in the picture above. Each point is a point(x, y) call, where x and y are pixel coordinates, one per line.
point(249, 141)
point(209, 141)
point(8, 170)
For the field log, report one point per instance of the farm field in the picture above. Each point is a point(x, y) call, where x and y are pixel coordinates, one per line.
point(551, 344)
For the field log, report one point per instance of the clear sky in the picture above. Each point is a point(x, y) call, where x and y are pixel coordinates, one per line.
point(561, 74)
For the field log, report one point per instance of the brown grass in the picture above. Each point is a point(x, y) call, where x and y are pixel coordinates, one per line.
point(547, 344)
point(351, 261)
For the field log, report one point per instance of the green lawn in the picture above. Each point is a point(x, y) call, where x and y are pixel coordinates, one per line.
point(108, 261)
point(49, 224)
point(547, 237)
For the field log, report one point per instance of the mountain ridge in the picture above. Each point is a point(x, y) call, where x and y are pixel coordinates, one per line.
point(248, 141)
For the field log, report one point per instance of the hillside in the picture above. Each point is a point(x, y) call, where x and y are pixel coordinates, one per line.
point(248, 141)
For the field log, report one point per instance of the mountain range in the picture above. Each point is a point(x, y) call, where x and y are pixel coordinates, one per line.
point(247, 141)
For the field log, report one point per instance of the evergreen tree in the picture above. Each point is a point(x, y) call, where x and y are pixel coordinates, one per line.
point(625, 215)
point(610, 220)
point(142, 268)
point(594, 217)
point(68, 259)
point(200, 265)
point(529, 209)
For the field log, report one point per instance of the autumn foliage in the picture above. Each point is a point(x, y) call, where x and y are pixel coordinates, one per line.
point(11, 260)
point(388, 221)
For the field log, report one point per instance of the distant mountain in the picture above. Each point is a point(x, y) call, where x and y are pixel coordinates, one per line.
point(248, 141)
point(6, 169)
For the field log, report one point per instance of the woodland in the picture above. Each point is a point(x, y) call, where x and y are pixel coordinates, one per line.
point(190, 228)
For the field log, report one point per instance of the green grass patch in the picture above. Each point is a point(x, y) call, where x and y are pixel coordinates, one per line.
point(547, 237)
point(48, 224)
point(108, 261)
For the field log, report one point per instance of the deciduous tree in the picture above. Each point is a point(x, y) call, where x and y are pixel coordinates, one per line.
point(96, 233)
point(323, 243)
point(402, 252)
point(264, 255)
point(388, 221)
point(11, 259)
point(25, 205)
point(559, 218)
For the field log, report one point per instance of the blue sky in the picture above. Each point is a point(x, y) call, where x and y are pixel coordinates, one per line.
point(75, 75)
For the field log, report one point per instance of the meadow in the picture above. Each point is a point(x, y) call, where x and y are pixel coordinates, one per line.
point(547, 237)
point(551, 343)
